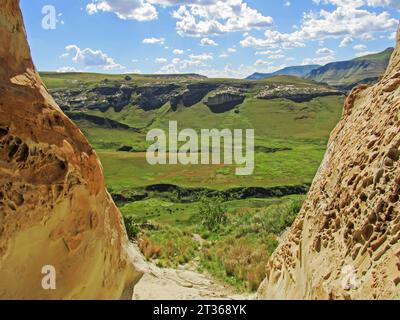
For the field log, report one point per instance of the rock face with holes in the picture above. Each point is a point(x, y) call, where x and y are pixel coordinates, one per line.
point(54, 208)
point(345, 243)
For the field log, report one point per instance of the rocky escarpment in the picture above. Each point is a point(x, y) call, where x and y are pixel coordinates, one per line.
point(188, 195)
point(155, 96)
point(219, 97)
point(296, 93)
point(192, 94)
point(118, 96)
point(345, 243)
point(54, 208)
point(225, 100)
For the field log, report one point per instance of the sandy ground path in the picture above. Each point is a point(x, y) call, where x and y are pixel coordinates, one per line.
point(179, 284)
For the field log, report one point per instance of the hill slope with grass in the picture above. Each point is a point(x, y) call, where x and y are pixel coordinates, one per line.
point(348, 74)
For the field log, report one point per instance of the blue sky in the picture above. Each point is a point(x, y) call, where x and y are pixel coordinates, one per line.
point(217, 38)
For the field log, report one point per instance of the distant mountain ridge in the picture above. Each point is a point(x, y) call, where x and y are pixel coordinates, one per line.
point(298, 71)
point(347, 74)
point(341, 74)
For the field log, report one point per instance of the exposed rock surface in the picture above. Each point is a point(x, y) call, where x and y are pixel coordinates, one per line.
point(296, 93)
point(219, 97)
point(193, 94)
point(225, 100)
point(345, 243)
point(155, 96)
point(54, 208)
point(147, 97)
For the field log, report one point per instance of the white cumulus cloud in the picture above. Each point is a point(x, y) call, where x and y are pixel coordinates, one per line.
point(139, 10)
point(154, 41)
point(347, 20)
point(178, 52)
point(66, 69)
point(208, 42)
point(325, 51)
point(218, 17)
point(93, 58)
point(360, 47)
point(161, 60)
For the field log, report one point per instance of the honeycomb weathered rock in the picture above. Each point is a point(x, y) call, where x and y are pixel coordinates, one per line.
point(54, 208)
point(350, 222)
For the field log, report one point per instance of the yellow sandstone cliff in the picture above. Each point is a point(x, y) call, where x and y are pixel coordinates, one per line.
point(54, 208)
point(345, 243)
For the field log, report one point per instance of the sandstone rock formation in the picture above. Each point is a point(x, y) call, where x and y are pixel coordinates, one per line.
point(225, 100)
point(345, 243)
point(118, 96)
point(54, 208)
point(192, 94)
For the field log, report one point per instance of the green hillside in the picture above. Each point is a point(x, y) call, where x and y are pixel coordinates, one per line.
point(347, 74)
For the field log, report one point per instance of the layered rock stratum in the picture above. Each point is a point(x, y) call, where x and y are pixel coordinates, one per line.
point(54, 208)
point(345, 244)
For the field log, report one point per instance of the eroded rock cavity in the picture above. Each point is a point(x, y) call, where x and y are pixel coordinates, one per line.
point(345, 243)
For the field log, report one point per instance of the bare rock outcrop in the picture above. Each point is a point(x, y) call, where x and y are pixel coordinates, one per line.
point(296, 93)
point(194, 93)
point(345, 243)
point(54, 208)
point(225, 99)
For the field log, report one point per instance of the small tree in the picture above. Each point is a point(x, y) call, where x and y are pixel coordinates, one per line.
point(131, 228)
point(212, 212)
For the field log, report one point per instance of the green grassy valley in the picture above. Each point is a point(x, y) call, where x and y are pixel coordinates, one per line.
point(204, 216)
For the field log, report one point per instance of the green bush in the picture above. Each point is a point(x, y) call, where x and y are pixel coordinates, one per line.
point(275, 219)
point(131, 227)
point(212, 212)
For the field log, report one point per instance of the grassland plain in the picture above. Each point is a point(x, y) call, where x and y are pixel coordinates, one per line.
point(290, 140)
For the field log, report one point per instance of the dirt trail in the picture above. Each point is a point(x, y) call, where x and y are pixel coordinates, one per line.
point(179, 284)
